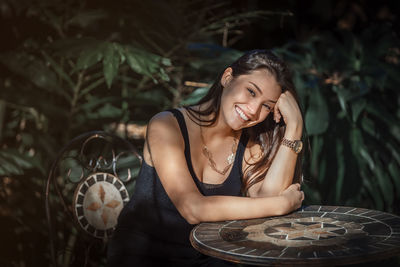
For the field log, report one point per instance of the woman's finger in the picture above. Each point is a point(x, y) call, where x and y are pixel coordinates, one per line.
point(276, 110)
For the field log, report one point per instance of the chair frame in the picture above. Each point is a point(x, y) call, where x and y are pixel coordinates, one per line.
point(52, 174)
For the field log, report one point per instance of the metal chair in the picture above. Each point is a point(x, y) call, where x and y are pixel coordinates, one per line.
point(86, 189)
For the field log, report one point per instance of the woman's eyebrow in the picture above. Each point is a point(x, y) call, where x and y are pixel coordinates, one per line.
point(256, 86)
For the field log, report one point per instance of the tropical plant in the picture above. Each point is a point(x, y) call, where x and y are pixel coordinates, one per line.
point(348, 88)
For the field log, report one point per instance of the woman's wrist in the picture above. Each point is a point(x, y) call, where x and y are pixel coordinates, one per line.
point(283, 207)
point(293, 131)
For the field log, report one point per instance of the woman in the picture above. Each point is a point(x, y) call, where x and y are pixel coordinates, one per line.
point(231, 156)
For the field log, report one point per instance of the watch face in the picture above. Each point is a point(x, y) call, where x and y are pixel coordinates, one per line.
point(298, 146)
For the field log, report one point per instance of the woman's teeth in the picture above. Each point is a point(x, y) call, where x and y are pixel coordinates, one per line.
point(241, 114)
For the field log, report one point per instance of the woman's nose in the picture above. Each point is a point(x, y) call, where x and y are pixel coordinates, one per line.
point(254, 108)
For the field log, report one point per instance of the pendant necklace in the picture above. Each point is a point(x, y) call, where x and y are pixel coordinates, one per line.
point(207, 153)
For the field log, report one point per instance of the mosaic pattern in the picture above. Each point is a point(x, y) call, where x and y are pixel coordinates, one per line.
point(97, 203)
point(315, 235)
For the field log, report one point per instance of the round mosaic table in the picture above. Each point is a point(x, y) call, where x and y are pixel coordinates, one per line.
point(314, 235)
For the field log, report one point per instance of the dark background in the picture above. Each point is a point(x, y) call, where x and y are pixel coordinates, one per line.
point(67, 67)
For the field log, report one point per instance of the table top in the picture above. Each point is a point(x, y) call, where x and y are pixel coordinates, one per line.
point(313, 235)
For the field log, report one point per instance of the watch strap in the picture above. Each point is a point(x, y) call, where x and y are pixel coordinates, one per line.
point(291, 144)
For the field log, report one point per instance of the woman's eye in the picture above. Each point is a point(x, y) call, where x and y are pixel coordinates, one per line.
point(252, 93)
point(267, 107)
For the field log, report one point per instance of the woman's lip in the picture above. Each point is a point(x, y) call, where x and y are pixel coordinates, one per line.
point(239, 110)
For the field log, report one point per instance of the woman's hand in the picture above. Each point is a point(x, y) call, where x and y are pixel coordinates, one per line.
point(293, 196)
point(287, 107)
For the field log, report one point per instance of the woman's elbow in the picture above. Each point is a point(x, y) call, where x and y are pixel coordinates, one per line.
point(189, 214)
point(192, 220)
point(191, 211)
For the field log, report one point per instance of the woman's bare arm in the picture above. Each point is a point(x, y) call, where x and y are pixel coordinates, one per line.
point(166, 148)
point(281, 171)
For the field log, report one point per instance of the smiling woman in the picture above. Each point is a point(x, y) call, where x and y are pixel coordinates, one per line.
point(229, 157)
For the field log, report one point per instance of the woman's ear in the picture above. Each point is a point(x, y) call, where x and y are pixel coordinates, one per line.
point(226, 77)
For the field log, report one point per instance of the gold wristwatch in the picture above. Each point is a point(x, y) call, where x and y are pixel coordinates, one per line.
point(295, 145)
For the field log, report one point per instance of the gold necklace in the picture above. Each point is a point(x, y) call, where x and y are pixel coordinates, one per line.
point(207, 153)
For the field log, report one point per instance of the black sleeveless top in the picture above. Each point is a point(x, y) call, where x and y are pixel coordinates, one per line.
point(150, 211)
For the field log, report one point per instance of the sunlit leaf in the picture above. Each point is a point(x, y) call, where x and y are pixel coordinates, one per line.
point(195, 96)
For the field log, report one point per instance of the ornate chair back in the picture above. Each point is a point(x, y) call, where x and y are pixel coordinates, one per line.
point(86, 189)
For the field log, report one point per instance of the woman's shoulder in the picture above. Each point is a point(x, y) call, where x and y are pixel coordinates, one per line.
point(166, 118)
point(163, 126)
point(161, 116)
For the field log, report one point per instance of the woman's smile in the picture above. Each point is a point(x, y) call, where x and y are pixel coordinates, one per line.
point(242, 115)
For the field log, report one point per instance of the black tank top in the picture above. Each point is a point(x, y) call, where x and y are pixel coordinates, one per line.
point(150, 210)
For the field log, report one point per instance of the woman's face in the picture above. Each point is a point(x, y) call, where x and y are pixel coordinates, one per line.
point(248, 99)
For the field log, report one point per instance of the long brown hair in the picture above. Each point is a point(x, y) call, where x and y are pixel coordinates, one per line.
point(268, 134)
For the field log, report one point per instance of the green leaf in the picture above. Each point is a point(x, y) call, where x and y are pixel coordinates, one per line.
point(367, 157)
point(85, 19)
point(59, 70)
point(27, 139)
point(368, 125)
point(9, 168)
point(34, 70)
point(385, 184)
point(322, 170)
point(163, 75)
point(111, 63)
point(342, 97)
point(94, 102)
point(316, 148)
point(90, 56)
point(340, 170)
point(109, 111)
point(195, 96)
point(166, 62)
point(356, 140)
point(317, 114)
point(142, 62)
point(373, 193)
point(13, 162)
point(90, 87)
point(357, 107)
